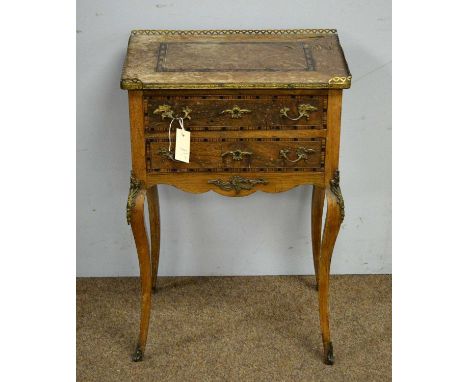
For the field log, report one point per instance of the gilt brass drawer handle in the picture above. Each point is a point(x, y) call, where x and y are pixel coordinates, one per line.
point(303, 109)
point(165, 153)
point(237, 154)
point(301, 153)
point(167, 112)
point(237, 183)
point(236, 111)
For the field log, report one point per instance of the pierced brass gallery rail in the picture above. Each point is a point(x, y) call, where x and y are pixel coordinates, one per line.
point(259, 32)
point(236, 111)
point(237, 154)
point(303, 109)
point(301, 153)
point(135, 187)
point(335, 188)
point(167, 112)
point(237, 183)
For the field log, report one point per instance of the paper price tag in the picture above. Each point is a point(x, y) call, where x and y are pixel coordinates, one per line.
point(182, 146)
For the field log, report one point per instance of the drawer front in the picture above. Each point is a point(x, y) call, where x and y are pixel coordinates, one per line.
point(237, 154)
point(228, 112)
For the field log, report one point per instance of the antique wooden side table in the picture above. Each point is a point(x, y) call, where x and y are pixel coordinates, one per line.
point(263, 109)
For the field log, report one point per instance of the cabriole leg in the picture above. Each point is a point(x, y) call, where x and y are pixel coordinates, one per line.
point(318, 198)
point(136, 218)
point(335, 215)
point(153, 209)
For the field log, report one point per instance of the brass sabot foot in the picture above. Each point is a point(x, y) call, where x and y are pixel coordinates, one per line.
point(329, 357)
point(138, 355)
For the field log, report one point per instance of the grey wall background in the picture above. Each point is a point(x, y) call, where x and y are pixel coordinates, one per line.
point(212, 235)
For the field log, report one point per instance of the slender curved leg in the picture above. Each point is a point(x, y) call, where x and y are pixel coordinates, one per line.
point(137, 221)
point(335, 215)
point(153, 209)
point(318, 198)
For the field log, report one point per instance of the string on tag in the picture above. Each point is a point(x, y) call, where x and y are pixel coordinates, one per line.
point(170, 126)
point(181, 123)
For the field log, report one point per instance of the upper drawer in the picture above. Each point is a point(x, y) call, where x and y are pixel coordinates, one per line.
point(229, 112)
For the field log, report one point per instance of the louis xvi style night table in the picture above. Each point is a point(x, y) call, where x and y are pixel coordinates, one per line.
point(235, 111)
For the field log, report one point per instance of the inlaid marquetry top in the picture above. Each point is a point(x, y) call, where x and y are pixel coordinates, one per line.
point(303, 58)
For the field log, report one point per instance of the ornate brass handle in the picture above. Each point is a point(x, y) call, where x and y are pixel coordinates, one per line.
point(236, 111)
point(167, 112)
point(165, 153)
point(303, 109)
point(237, 154)
point(237, 183)
point(301, 153)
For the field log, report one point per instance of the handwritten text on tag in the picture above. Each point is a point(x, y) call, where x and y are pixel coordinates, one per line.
point(182, 148)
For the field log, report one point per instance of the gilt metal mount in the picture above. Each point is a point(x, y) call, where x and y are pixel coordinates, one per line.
point(303, 109)
point(337, 80)
point(335, 188)
point(237, 183)
point(135, 187)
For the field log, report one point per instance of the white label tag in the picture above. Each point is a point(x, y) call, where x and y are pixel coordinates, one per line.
point(182, 146)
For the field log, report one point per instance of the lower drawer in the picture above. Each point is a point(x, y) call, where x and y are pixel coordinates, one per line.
point(237, 154)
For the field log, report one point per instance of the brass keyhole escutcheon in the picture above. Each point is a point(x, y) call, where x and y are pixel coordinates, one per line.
point(236, 111)
point(237, 154)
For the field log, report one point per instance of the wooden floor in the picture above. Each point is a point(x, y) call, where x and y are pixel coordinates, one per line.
point(234, 329)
